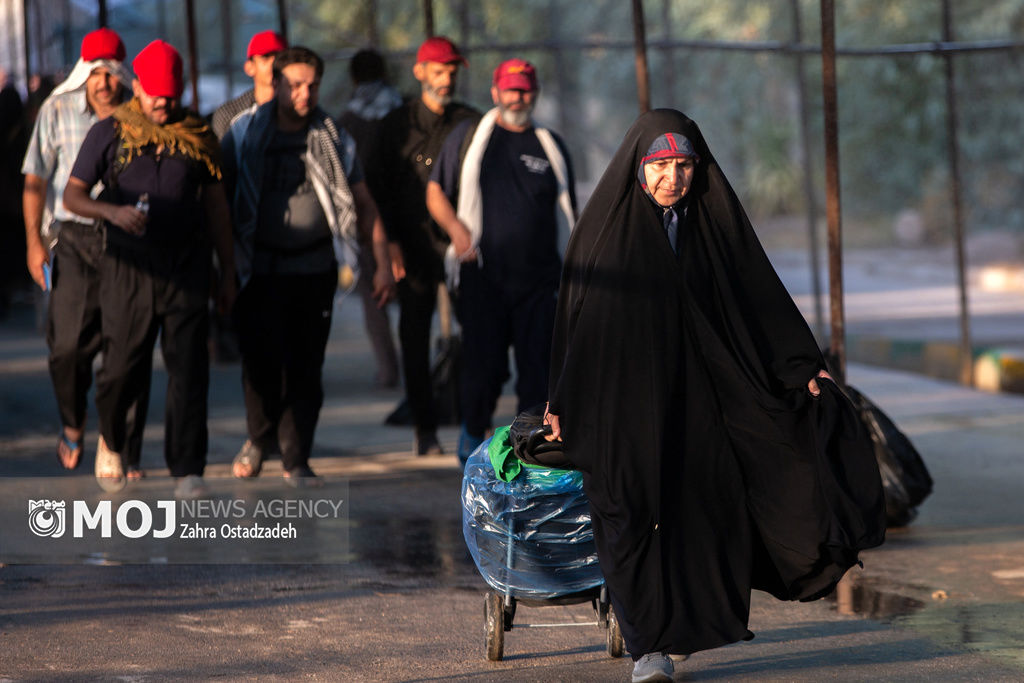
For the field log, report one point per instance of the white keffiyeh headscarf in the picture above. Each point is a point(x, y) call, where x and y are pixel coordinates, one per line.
point(80, 74)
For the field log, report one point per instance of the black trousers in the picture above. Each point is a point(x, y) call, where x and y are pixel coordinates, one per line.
point(145, 294)
point(283, 322)
point(417, 299)
point(73, 330)
point(492, 320)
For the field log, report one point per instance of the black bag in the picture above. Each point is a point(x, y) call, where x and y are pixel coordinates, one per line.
point(905, 479)
point(528, 443)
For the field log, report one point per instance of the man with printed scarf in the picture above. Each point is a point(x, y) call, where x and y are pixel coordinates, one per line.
point(161, 172)
point(506, 200)
point(63, 248)
point(299, 201)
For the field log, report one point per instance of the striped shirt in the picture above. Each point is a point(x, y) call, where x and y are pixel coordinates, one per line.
point(60, 129)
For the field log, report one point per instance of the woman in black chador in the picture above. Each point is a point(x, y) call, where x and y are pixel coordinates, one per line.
point(718, 456)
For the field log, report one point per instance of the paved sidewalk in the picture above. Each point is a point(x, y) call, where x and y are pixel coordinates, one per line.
point(902, 310)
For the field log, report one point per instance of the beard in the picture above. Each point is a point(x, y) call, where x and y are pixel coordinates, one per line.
point(443, 99)
point(515, 118)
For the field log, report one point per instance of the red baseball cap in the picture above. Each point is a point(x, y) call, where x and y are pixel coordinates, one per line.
point(515, 74)
point(158, 68)
point(439, 49)
point(103, 43)
point(265, 43)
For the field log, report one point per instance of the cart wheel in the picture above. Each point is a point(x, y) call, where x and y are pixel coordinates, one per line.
point(616, 646)
point(494, 621)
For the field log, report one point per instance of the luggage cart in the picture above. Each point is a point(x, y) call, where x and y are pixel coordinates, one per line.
point(500, 613)
point(532, 541)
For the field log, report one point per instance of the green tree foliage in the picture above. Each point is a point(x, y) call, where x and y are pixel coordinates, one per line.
point(892, 116)
point(893, 113)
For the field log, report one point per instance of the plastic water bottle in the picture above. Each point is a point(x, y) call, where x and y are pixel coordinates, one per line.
point(143, 205)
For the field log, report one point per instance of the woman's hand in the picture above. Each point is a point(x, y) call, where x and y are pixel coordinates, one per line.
point(552, 420)
point(813, 387)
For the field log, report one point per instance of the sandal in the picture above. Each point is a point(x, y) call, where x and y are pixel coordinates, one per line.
point(249, 462)
point(134, 473)
point(69, 452)
point(302, 477)
point(109, 470)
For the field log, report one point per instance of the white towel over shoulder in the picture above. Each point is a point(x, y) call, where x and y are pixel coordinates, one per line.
point(469, 208)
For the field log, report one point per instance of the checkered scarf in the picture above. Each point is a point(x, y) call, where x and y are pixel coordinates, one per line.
point(323, 164)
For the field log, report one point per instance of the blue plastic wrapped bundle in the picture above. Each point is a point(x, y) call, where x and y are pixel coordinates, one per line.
point(531, 535)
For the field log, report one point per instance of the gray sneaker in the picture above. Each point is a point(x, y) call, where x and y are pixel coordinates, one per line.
point(189, 487)
point(653, 666)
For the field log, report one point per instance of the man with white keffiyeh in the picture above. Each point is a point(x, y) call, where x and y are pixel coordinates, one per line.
point(63, 248)
point(503, 191)
point(300, 204)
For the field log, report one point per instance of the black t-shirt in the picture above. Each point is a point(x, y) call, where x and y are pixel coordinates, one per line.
point(292, 235)
point(519, 241)
point(174, 183)
point(408, 143)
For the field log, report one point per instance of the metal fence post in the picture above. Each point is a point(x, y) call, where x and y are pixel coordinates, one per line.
point(965, 355)
point(643, 84)
point(832, 204)
point(806, 159)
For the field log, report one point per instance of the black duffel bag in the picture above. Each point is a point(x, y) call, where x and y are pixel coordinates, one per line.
point(528, 443)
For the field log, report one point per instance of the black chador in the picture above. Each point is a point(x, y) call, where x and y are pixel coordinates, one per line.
point(681, 382)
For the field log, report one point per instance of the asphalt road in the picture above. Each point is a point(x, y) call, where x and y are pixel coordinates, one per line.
point(398, 598)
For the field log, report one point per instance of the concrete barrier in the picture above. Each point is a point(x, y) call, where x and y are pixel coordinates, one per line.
point(999, 369)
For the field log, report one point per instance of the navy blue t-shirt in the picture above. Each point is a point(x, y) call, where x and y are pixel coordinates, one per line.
point(174, 183)
point(519, 242)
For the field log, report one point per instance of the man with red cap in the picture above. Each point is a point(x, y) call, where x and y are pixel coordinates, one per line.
point(90, 93)
point(259, 66)
point(411, 138)
point(160, 169)
point(503, 192)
